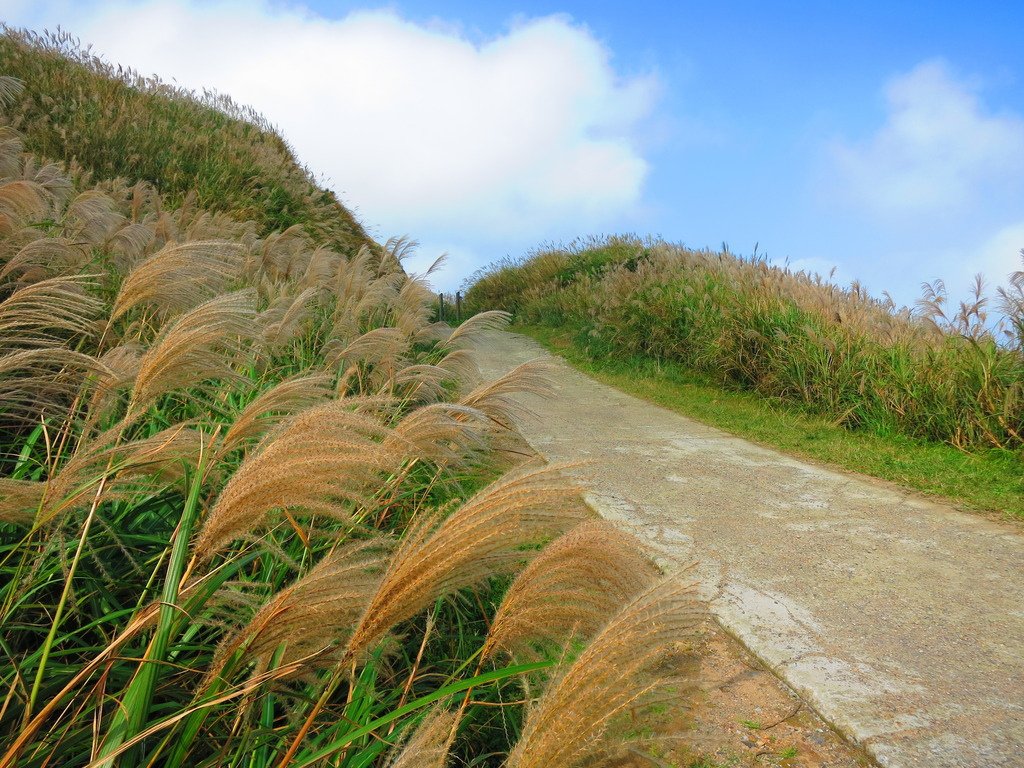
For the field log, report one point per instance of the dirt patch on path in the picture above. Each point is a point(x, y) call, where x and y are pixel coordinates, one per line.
point(743, 716)
point(898, 619)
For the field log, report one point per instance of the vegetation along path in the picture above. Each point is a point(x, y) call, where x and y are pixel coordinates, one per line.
point(900, 620)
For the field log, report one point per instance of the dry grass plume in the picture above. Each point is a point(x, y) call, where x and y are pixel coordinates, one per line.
point(582, 716)
point(570, 590)
point(494, 532)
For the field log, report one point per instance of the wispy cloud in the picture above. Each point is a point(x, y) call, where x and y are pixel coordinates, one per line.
point(1000, 255)
point(934, 191)
point(939, 151)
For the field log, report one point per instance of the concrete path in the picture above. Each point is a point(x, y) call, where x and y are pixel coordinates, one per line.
point(901, 621)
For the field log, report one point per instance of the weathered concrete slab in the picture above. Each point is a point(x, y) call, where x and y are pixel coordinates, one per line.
point(900, 620)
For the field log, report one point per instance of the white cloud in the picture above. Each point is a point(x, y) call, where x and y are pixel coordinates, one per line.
point(940, 151)
point(1000, 255)
point(994, 253)
point(422, 129)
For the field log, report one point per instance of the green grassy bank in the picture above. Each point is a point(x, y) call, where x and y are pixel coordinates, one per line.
point(931, 397)
point(989, 480)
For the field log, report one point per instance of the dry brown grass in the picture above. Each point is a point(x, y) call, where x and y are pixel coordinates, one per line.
point(412, 312)
point(488, 535)
point(428, 745)
point(583, 715)
point(322, 265)
point(569, 591)
point(283, 256)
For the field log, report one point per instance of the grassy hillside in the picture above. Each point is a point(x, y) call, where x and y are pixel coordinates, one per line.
point(111, 122)
point(939, 375)
point(255, 506)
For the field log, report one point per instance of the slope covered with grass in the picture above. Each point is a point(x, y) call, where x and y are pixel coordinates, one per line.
point(256, 506)
point(111, 122)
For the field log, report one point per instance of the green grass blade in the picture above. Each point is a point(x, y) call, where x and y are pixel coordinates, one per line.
point(134, 709)
point(488, 677)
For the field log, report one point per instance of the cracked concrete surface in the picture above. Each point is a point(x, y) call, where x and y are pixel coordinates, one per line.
point(900, 620)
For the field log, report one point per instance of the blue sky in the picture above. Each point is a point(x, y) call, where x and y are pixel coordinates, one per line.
point(883, 139)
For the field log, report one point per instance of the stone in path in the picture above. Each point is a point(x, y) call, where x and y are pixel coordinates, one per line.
point(900, 620)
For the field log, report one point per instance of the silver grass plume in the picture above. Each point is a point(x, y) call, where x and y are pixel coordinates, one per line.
point(581, 718)
point(276, 403)
point(325, 460)
point(46, 257)
point(11, 147)
point(317, 611)
point(488, 535)
point(428, 745)
point(501, 399)
point(23, 201)
point(46, 313)
point(20, 500)
point(92, 217)
point(180, 276)
point(201, 345)
point(569, 590)
point(10, 89)
point(125, 469)
point(285, 321)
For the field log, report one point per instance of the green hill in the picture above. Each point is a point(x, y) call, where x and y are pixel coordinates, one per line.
point(110, 122)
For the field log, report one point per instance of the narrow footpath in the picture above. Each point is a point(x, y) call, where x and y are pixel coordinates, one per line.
point(898, 619)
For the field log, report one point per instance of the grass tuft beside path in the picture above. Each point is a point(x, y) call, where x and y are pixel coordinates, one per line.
point(990, 481)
